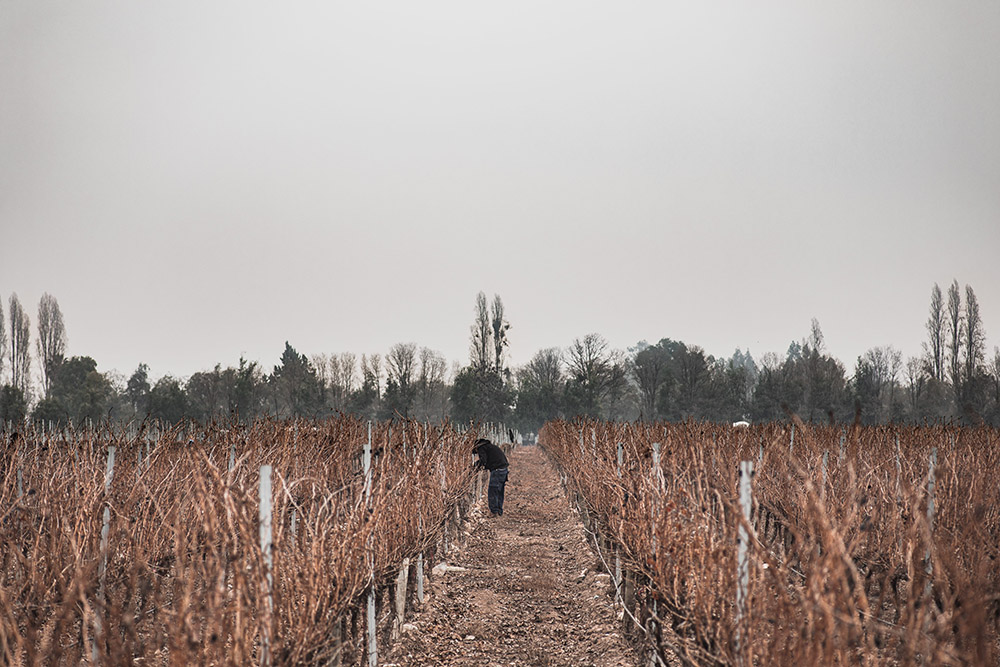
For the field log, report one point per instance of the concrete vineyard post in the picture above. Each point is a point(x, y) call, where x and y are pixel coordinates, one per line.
point(843, 452)
point(232, 456)
point(743, 554)
point(822, 490)
point(367, 463)
point(372, 647)
point(420, 575)
point(654, 506)
point(930, 508)
point(102, 568)
point(618, 558)
point(106, 523)
point(791, 441)
point(402, 580)
point(899, 472)
point(266, 537)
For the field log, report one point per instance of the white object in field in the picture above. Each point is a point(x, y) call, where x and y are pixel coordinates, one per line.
point(741, 424)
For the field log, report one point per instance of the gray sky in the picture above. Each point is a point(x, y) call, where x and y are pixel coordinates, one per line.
point(194, 181)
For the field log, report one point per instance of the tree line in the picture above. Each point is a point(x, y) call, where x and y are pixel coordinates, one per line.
point(668, 380)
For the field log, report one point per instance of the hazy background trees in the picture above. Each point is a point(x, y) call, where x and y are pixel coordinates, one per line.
point(953, 379)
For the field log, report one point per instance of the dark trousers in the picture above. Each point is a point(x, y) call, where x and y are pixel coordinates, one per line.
point(498, 479)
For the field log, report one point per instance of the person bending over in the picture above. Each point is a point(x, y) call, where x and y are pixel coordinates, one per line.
point(493, 459)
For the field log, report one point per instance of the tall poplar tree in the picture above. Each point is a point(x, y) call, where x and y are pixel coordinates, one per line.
point(51, 342)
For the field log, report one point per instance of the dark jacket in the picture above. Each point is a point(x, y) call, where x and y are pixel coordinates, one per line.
point(491, 457)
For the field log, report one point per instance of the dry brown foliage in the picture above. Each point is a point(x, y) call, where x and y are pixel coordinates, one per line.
point(850, 571)
point(185, 567)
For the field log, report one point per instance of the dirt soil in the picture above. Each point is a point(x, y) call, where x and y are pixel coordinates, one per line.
point(531, 593)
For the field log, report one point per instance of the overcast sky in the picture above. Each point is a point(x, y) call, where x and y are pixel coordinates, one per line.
point(196, 181)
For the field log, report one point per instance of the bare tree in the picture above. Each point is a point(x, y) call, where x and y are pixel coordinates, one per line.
point(500, 327)
point(432, 394)
point(995, 375)
point(974, 337)
point(935, 331)
point(51, 342)
point(343, 375)
point(348, 364)
point(915, 379)
point(400, 364)
point(954, 335)
point(880, 367)
point(20, 346)
point(545, 369)
point(650, 366)
point(597, 372)
point(480, 352)
point(816, 341)
point(371, 372)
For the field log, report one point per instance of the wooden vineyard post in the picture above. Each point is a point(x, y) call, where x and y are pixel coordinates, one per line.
point(402, 580)
point(628, 596)
point(266, 537)
point(743, 555)
point(337, 643)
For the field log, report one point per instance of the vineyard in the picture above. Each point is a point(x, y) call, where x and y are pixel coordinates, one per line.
point(794, 544)
point(228, 545)
point(306, 542)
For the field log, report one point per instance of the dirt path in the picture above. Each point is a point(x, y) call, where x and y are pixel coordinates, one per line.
point(531, 593)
